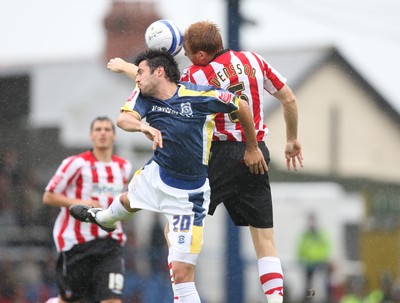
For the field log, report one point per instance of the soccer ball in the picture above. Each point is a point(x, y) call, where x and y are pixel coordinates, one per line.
point(164, 35)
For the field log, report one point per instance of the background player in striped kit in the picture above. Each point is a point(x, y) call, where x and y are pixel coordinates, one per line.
point(246, 196)
point(92, 178)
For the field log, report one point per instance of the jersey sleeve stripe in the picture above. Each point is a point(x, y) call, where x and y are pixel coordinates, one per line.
point(72, 159)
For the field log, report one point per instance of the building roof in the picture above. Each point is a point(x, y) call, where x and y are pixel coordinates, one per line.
point(298, 64)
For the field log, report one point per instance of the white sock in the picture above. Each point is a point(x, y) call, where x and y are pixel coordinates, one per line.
point(115, 212)
point(187, 293)
point(271, 278)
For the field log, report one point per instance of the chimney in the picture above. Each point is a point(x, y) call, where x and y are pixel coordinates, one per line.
point(125, 25)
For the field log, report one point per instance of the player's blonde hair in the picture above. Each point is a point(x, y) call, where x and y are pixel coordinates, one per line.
point(203, 36)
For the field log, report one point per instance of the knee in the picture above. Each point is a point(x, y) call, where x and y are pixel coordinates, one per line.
point(125, 202)
point(183, 272)
point(264, 242)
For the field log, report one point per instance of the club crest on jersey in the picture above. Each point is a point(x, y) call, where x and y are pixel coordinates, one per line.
point(181, 239)
point(186, 109)
point(225, 97)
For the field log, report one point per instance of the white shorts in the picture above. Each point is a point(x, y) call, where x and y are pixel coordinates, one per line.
point(185, 210)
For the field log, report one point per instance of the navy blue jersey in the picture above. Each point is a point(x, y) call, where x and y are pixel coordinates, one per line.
point(186, 122)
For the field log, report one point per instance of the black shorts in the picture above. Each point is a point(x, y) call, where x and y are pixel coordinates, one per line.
point(246, 196)
point(91, 272)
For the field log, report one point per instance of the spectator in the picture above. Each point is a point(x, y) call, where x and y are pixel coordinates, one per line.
point(313, 251)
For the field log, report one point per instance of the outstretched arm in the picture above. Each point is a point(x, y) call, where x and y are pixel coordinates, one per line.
point(119, 65)
point(130, 121)
point(253, 156)
point(293, 149)
point(60, 200)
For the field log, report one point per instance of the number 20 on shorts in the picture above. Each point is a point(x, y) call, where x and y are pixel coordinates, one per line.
point(181, 223)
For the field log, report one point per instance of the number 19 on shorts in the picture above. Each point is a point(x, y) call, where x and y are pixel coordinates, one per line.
point(116, 282)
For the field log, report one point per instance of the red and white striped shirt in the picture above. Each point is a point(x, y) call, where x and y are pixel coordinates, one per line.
point(83, 177)
point(246, 74)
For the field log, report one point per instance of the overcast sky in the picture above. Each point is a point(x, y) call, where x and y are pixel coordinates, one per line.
point(367, 32)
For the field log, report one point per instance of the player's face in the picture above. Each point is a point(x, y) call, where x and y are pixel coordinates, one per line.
point(146, 80)
point(102, 135)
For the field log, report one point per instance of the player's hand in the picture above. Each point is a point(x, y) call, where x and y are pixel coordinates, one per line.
point(293, 154)
point(153, 134)
point(116, 65)
point(254, 159)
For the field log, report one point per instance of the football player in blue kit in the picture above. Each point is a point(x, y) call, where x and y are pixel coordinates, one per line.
point(180, 123)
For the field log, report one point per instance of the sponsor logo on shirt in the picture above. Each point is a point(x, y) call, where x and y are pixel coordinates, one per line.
point(186, 110)
point(164, 109)
point(108, 190)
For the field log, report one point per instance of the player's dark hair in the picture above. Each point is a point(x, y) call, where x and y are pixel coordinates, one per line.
point(203, 36)
point(102, 118)
point(156, 58)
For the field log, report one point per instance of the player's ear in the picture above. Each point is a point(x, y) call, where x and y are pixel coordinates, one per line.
point(203, 57)
point(160, 71)
point(202, 54)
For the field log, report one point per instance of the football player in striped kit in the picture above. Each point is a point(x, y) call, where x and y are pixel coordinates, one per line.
point(248, 196)
point(93, 178)
point(180, 117)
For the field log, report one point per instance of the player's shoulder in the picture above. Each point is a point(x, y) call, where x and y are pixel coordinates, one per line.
point(204, 93)
point(119, 159)
point(75, 161)
point(86, 156)
point(191, 69)
point(195, 87)
point(76, 157)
